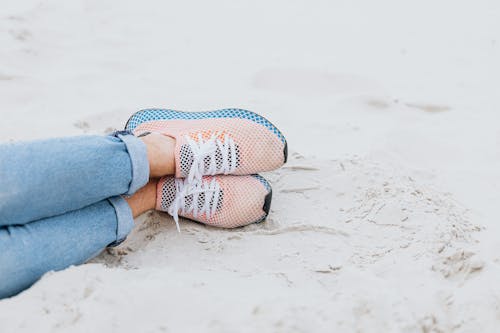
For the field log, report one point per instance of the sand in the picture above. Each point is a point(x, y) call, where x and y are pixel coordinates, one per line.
point(384, 219)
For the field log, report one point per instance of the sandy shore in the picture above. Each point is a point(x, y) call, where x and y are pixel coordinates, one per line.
point(384, 219)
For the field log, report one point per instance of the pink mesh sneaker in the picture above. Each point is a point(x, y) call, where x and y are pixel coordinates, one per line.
point(229, 141)
point(221, 201)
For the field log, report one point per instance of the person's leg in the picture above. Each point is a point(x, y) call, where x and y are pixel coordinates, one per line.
point(30, 250)
point(45, 178)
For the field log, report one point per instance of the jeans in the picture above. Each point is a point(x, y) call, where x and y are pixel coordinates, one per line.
point(61, 202)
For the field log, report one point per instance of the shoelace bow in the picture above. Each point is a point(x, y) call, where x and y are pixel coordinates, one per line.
point(208, 148)
point(185, 188)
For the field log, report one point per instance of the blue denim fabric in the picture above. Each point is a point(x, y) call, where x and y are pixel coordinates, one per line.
point(61, 204)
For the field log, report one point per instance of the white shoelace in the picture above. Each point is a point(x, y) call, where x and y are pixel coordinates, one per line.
point(208, 148)
point(185, 188)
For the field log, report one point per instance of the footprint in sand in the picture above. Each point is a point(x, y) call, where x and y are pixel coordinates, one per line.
point(384, 103)
point(103, 122)
point(5, 77)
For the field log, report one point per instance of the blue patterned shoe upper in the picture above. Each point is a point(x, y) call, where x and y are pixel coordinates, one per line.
point(165, 114)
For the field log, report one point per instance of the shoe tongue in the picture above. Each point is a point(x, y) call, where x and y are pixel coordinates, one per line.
point(187, 159)
point(169, 192)
point(201, 201)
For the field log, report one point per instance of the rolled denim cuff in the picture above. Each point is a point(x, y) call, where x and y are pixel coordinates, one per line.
point(124, 219)
point(139, 159)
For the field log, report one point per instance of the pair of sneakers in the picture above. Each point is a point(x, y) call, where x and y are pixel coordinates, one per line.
point(217, 157)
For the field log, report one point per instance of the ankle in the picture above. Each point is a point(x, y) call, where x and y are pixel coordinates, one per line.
point(144, 199)
point(161, 154)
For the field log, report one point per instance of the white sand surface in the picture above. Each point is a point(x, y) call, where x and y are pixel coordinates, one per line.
point(385, 219)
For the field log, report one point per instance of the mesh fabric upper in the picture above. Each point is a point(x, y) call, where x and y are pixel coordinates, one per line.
point(164, 114)
point(258, 149)
point(242, 200)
